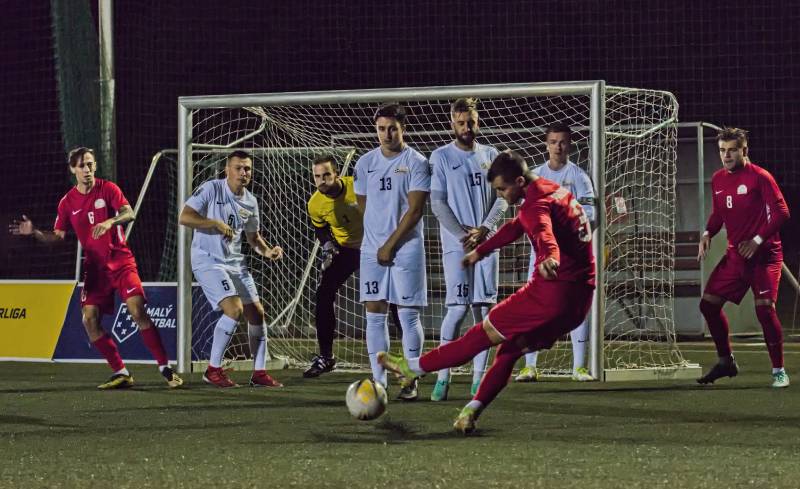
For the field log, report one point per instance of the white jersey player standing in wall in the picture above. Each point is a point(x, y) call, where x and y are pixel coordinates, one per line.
point(468, 210)
point(218, 211)
point(559, 169)
point(392, 183)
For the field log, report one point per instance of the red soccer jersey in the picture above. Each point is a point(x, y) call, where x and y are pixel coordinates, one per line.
point(557, 227)
point(749, 203)
point(83, 212)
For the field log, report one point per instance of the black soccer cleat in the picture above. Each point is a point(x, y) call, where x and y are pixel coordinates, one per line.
point(410, 391)
point(718, 371)
point(319, 366)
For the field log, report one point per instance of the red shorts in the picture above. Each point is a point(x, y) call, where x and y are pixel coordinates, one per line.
point(542, 311)
point(733, 275)
point(99, 283)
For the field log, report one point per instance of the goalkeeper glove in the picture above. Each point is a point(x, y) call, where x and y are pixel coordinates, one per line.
point(329, 252)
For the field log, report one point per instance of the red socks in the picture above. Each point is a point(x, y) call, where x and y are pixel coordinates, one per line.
point(152, 340)
point(457, 352)
point(106, 346)
point(773, 333)
point(497, 376)
point(717, 326)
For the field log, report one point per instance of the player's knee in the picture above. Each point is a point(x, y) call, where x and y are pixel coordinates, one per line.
point(709, 308)
point(457, 310)
point(494, 336)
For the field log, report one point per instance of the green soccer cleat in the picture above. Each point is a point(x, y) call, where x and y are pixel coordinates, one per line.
point(117, 381)
point(581, 374)
point(527, 374)
point(780, 379)
point(440, 390)
point(474, 389)
point(399, 366)
point(466, 421)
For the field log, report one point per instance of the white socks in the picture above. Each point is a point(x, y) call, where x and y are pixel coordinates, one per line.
point(479, 313)
point(222, 336)
point(450, 330)
point(257, 334)
point(377, 340)
point(413, 336)
point(579, 337)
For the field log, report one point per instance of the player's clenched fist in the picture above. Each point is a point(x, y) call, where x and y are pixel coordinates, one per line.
point(549, 269)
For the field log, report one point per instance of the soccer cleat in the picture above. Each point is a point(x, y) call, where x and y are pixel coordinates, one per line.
point(440, 390)
point(117, 381)
point(780, 379)
point(466, 421)
point(261, 378)
point(218, 377)
point(474, 389)
point(719, 370)
point(319, 366)
point(409, 391)
point(527, 374)
point(398, 365)
point(581, 374)
point(172, 378)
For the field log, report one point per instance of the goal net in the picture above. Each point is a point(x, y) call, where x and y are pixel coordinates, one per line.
point(624, 138)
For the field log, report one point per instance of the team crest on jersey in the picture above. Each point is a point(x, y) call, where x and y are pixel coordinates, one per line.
point(741, 190)
point(486, 164)
point(99, 203)
point(244, 213)
point(401, 169)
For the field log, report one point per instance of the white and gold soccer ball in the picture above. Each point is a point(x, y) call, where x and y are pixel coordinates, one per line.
point(366, 399)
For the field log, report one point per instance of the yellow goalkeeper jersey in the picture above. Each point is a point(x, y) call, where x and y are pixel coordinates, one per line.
point(341, 214)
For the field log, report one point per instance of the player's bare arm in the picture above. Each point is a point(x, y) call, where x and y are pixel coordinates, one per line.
point(416, 206)
point(124, 214)
point(193, 219)
point(703, 245)
point(256, 241)
point(25, 227)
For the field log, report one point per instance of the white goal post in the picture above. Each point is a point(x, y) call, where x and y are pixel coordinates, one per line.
point(624, 137)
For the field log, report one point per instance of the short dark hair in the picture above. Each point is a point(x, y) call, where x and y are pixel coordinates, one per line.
point(464, 105)
point(509, 165)
point(241, 154)
point(76, 155)
point(558, 127)
point(393, 110)
point(733, 134)
point(324, 158)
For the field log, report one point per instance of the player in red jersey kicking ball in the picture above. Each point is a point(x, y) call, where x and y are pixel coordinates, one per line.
point(748, 202)
point(554, 301)
point(96, 209)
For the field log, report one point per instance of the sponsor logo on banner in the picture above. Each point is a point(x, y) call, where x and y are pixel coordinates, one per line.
point(124, 326)
point(13, 312)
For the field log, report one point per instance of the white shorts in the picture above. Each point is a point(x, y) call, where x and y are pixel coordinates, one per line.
point(219, 282)
point(474, 285)
point(403, 283)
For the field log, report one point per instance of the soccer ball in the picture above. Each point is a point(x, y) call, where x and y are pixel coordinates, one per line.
point(366, 399)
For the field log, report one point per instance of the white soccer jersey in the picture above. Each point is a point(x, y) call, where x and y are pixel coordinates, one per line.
point(215, 200)
point(386, 184)
point(459, 178)
point(574, 179)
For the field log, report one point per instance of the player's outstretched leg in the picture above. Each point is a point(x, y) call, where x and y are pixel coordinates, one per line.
point(151, 338)
point(398, 365)
point(451, 324)
point(718, 327)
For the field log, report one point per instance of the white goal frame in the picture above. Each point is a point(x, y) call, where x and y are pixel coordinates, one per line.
point(596, 91)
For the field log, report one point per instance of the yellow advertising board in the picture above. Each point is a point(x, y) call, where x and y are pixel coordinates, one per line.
point(31, 316)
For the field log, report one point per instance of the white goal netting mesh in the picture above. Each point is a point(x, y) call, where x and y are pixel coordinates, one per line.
point(639, 179)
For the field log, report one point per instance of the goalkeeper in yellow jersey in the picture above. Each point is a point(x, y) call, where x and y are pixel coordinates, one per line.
point(337, 222)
